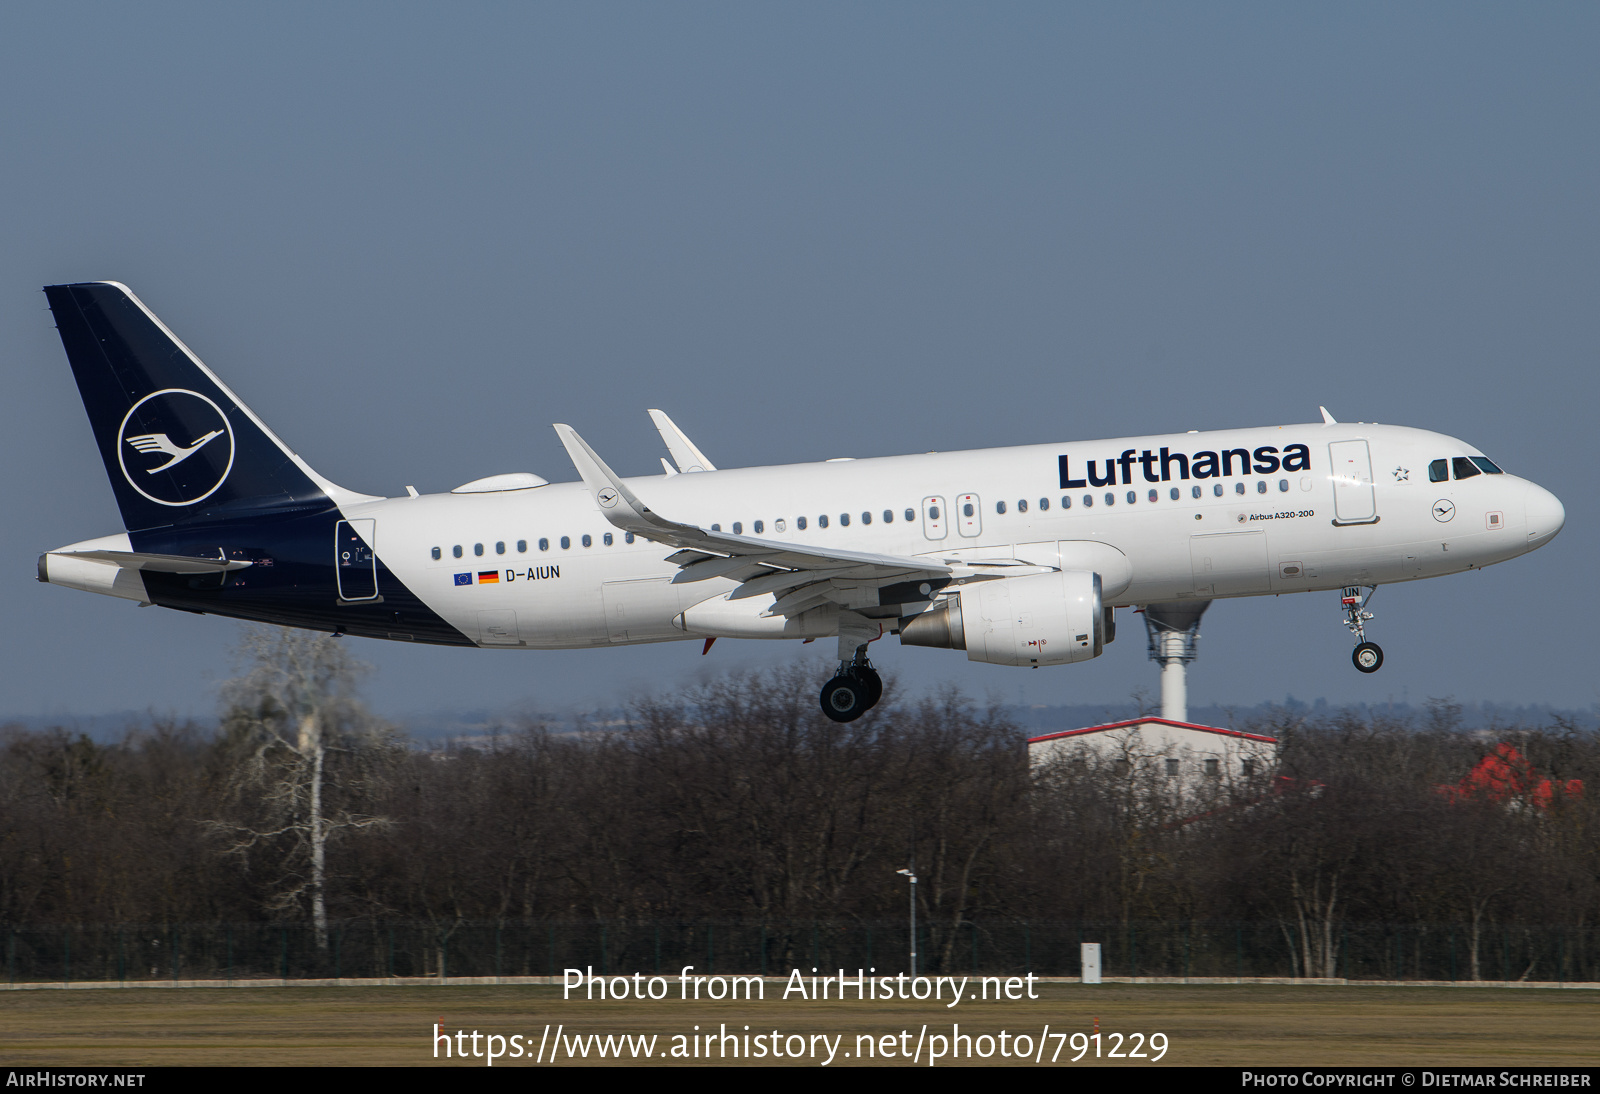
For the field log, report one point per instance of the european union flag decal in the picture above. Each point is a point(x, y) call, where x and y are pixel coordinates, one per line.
point(463, 579)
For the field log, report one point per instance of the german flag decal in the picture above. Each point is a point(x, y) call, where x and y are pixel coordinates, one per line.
point(488, 577)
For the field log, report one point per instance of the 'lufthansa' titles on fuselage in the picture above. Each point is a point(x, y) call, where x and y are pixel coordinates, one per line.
point(1166, 465)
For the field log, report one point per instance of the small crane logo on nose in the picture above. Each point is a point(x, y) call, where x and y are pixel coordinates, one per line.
point(1443, 510)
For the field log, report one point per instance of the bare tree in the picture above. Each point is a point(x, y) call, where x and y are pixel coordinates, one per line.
point(289, 716)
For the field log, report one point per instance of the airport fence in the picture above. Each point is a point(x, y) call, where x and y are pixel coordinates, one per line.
point(394, 950)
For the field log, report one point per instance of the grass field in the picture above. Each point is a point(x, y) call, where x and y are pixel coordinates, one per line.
point(1213, 1024)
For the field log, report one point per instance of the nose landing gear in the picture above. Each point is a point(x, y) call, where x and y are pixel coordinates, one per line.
point(854, 689)
point(1368, 656)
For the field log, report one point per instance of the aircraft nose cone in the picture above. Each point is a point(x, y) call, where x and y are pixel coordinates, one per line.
point(1546, 515)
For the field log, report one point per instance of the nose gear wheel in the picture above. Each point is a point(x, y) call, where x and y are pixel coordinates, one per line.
point(1368, 656)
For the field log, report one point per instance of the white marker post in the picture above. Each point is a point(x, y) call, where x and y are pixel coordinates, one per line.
point(1091, 962)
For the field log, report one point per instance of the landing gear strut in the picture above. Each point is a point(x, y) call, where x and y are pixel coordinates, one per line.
point(1368, 656)
point(854, 689)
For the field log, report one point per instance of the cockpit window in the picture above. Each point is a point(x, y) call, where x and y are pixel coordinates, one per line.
point(1439, 471)
point(1487, 466)
point(1464, 468)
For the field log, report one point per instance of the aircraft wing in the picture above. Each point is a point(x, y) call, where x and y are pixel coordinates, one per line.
point(800, 576)
point(684, 452)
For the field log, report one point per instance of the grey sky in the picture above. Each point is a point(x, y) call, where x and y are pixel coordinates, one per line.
point(411, 237)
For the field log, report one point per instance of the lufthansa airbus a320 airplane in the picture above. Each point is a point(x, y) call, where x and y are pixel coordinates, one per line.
point(1019, 556)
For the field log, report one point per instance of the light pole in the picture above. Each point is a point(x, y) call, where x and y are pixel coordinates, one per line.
point(913, 878)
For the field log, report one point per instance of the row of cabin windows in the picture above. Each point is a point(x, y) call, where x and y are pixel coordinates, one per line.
point(1132, 497)
point(969, 510)
point(1464, 467)
point(522, 545)
point(758, 527)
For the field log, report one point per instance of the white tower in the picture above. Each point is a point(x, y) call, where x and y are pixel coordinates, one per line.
point(1173, 627)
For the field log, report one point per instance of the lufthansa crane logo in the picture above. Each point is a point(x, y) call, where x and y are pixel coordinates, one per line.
point(175, 447)
point(608, 497)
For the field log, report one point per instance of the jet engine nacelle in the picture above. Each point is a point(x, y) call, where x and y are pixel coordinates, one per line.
point(1042, 619)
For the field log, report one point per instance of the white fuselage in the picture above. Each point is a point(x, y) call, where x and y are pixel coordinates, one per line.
point(560, 584)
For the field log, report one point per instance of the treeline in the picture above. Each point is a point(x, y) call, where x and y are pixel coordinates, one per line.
point(738, 801)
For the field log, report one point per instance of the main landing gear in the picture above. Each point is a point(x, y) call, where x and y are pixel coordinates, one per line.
point(1368, 656)
point(854, 689)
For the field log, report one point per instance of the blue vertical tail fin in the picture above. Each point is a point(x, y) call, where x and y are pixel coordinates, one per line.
point(176, 442)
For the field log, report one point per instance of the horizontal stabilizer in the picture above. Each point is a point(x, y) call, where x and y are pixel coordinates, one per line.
point(164, 564)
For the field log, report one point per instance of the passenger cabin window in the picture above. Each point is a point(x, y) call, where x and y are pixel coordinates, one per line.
point(933, 512)
point(1154, 495)
point(1194, 491)
point(627, 537)
point(437, 554)
point(866, 518)
point(1044, 505)
point(522, 546)
point(999, 507)
point(911, 515)
point(477, 548)
point(500, 548)
point(1132, 497)
point(888, 516)
point(822, 521)
point(1261, 486)
point(1238, 488)
point(1487, 466)
point(1111, 499)
point(716, 527)
point(844, 520)
point(800, 523)
point(566, 543)
point(738, 527)
point(456, 550)
point(1439, 471)
point(1088, 501)
point(1464, 468)
point(1022, 506)
point(758, 526)
point(544, 544)
point(1175, 494)
point(780, 525)
point(1216, 489)
point(1283, 486)
point(588, 542)
point(1066, 502)
point(607, 540)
